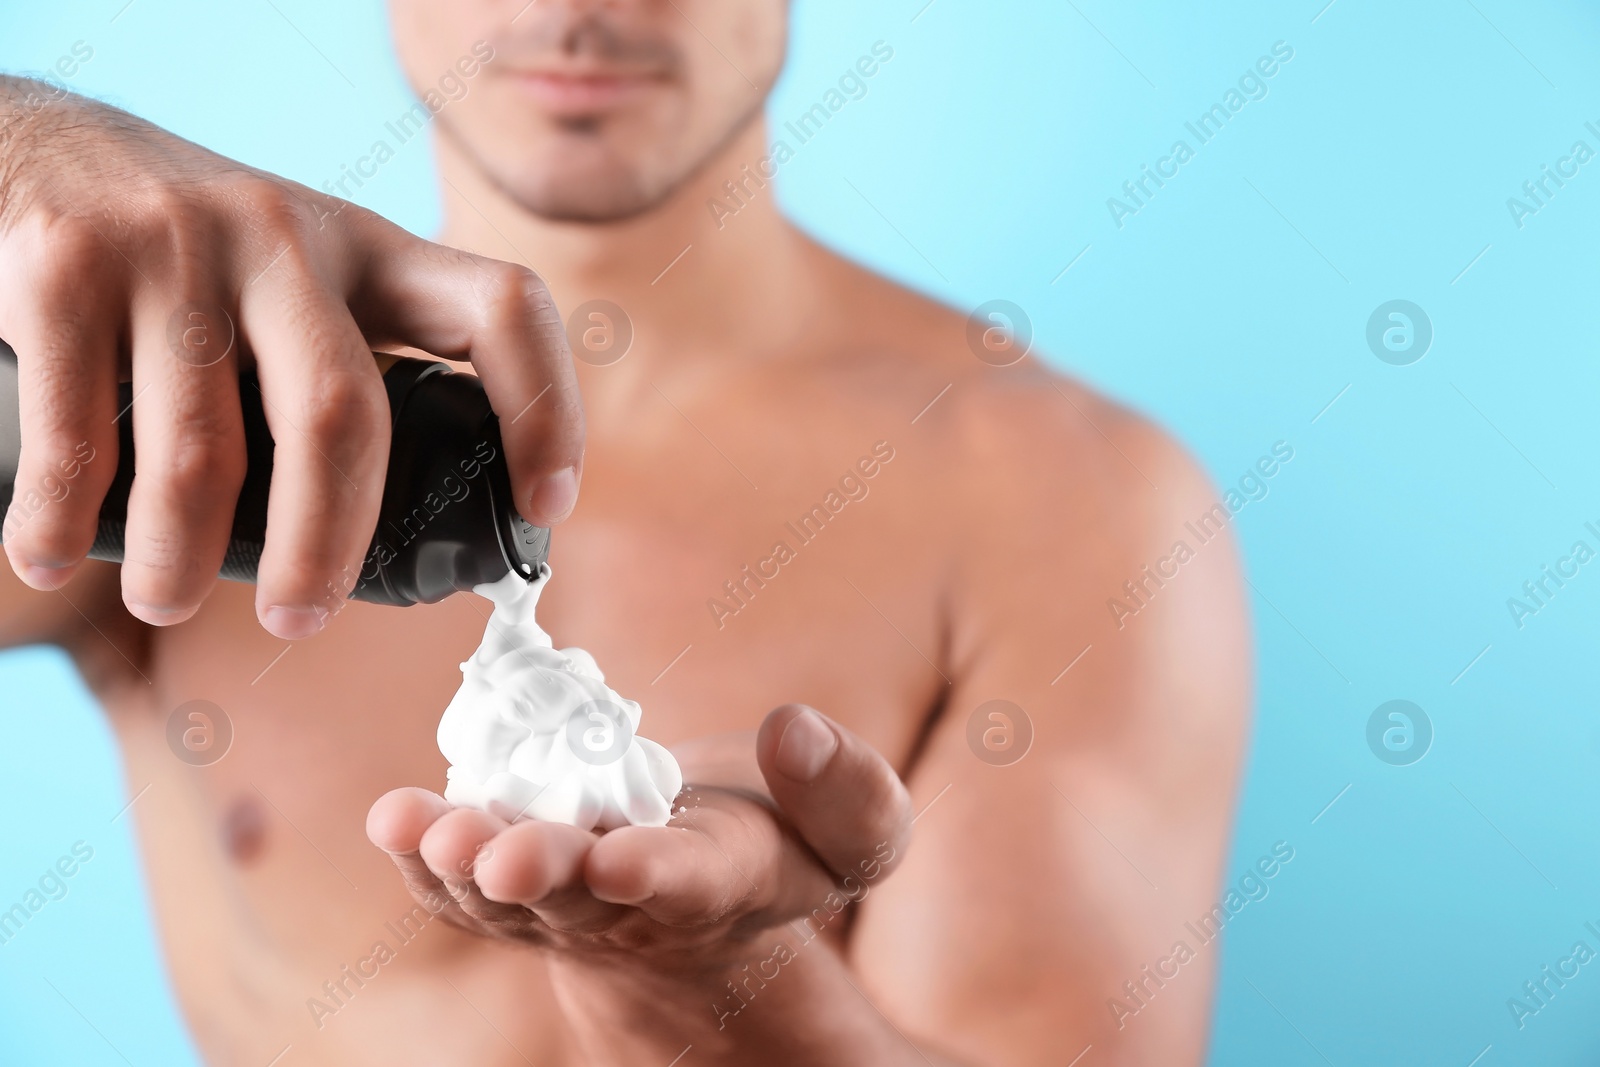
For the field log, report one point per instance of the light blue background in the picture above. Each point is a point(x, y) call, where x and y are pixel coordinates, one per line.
point(1232, 308)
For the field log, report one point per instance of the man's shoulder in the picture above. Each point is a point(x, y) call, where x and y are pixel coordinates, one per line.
point(1023, 434)
point(1047, 462)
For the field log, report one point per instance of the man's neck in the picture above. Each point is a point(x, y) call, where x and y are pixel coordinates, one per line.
point(698, 284)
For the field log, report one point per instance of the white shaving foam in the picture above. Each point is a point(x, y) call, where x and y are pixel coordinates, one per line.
point(535, 733)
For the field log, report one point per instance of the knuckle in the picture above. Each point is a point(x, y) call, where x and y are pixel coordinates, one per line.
point(567, 418)
point(206, 464)
point(165, 204)
point(153, 564)
point(275, 224)
point(191, 252)
point(160, 216)
point(63, 250)
point(285, 253)
point(340, 405)
point(366, 225)
point(555, 424)
point(270, 205)
point(554, 435)
point(514, 293)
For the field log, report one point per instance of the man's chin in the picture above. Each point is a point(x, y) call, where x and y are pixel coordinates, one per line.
point(588, 208)
point(577, 182)
point(589, 197)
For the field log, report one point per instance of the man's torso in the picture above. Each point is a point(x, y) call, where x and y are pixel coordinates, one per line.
point(747, 537)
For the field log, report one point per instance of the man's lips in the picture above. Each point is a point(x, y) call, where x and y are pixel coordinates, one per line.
point(566, 93)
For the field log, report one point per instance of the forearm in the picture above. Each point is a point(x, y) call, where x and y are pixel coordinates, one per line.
point(790, 1004)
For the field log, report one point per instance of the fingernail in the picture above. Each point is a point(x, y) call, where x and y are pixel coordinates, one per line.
point(44, 578)
point(291, 624)
point(805, 748)
point(630, 900)
point(158, 616)
point(554, 498)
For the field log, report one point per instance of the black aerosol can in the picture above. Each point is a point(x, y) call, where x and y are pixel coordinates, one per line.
point(447, 521)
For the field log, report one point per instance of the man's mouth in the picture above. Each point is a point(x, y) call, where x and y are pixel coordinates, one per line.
point(569, 93)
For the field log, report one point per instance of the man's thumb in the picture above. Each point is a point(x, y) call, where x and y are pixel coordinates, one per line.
point(842, 796)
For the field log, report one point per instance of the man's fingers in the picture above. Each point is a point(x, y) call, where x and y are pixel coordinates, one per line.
point(681, 876)
point(539, 866)
point(841, 795)
point(400, 817)
point(501, 316)
point(54, 318)
point(723, 859)
point(396, 824)
point(432, 846)
point(325, 403)
point(189, 452)
point(529, 861)
point(452, 848)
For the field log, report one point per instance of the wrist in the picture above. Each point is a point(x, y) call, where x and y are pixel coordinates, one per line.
point(761, 1006)
point(684, 998)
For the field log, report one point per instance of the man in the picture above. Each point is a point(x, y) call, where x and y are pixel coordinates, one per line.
point(792, 914)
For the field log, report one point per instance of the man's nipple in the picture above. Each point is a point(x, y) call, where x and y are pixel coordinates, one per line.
point(244, 830)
